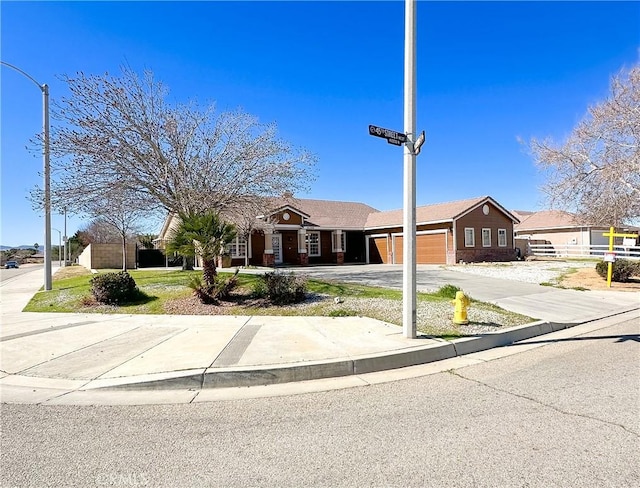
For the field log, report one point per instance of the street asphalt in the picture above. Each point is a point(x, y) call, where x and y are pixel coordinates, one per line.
point(115, 358)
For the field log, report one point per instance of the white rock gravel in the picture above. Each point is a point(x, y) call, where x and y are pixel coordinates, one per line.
point(436, 317)
point(524, 271)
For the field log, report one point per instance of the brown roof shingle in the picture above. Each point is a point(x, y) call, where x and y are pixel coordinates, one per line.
point(548, 219)
point(330, 214)
point(438, 212)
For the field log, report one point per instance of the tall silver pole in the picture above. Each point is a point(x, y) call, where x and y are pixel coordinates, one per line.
point(66, 239)
point(47, 187)
point(409, 220)
point(47, 173)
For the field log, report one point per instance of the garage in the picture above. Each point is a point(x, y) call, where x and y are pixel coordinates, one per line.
point(378, 250)
point(430, 248)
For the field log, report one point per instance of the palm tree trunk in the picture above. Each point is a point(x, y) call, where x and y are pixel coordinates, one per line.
point(209, 271)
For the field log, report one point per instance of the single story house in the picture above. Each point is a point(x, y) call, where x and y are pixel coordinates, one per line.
point(303, 232)
point(557, 229)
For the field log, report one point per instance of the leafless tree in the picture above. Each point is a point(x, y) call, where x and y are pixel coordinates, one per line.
point(97, 231)
point(595, 172)
point(121, 129)
point(252, 216)
point(118, 215)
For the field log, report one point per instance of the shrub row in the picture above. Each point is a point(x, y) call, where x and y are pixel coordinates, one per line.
point(622, 271)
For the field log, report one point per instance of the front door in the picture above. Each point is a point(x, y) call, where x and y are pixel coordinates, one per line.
point(276, 244)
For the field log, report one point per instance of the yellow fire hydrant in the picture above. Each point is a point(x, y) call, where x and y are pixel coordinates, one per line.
point(461, 304)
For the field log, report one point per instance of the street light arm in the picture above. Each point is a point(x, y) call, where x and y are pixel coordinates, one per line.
point(46, 170)
point(42, 87)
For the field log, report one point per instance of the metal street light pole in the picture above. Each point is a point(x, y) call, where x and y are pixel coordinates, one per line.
point(409, 212)
point(66, 239)
point(47, 173)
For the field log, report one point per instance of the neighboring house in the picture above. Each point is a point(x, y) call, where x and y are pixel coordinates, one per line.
point(556, 228)
point(305, 232)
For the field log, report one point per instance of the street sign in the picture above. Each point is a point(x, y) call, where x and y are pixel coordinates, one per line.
point(418, 144)
point(609, 257)
point(392, 137)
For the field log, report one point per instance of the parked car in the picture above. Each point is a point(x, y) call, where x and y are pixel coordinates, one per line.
point(11, 264)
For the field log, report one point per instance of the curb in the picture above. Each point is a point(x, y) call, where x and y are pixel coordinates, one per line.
point(276, 374)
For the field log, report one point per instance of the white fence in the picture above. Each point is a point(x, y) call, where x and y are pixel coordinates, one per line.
point(578, 251)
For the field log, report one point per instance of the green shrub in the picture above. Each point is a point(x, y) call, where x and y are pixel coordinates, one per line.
point(343, 312)
point(622, 270)
point(114, 288)
point(259, 288)
point(448, 291)
point(285, 288)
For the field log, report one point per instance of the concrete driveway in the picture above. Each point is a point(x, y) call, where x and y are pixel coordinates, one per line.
point(533, 300)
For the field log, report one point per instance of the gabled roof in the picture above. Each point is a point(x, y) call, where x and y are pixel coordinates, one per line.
point(329, 214)
point(522, 214)
point(548, 219)
point(428, 214)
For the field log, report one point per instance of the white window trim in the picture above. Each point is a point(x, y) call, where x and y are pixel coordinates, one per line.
point(486, 232)
point(235, 245)
point(334, 238)
point(308, 242)
point(502, 233)
point(472, 235)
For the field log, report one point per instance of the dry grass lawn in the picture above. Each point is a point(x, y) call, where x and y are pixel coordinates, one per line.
point(589, 278)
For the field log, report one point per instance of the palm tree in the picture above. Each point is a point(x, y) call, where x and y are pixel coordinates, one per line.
point(204, 235)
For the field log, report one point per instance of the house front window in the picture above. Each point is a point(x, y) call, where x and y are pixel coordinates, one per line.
point(502, 237)
point(313, 243)
point(237, 248)
point(469, 237)
point(486, 237)
point(338, 241)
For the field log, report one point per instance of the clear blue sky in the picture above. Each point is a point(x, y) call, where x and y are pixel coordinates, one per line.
point(323, 71)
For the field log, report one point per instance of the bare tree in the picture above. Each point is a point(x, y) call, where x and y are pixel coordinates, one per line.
point(117, 214)
point(245, 219)
point(595, 172)
point(97, 231)
point(186, 159)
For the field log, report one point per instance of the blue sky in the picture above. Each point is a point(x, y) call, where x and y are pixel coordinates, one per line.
point(488, 73)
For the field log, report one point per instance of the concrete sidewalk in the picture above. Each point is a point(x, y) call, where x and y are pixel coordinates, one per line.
point(47, 356)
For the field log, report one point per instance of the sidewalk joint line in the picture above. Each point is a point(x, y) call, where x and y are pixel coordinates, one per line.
point(44, 331)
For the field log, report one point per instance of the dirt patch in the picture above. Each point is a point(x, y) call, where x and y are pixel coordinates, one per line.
point(70, 272)
point(590, 279)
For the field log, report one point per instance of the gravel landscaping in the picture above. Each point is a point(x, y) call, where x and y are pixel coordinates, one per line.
point(434, 316)
point(525, 271)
